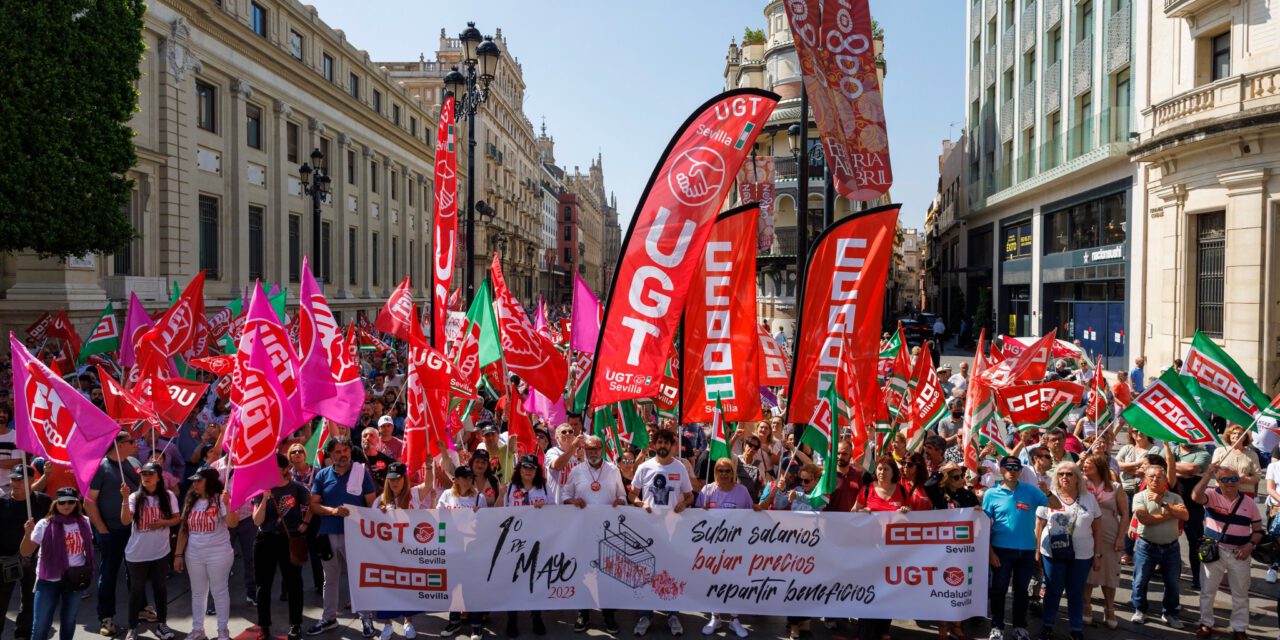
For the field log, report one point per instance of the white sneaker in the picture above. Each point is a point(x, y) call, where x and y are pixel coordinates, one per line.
point(642, 626)
point(711, 626)
point(998, 634)
point(1173, 621)
point(387, 631)
point(409, 632)
point(1020, 633)
point(674, 624)
point(1138, 618)
point(1271, 575)
point(737, 628)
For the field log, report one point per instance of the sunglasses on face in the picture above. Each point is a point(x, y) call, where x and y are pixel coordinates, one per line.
point(628, 461)
point(908, 464)
point(66, 502)
point(753, 445)
point(1067, 474)
point(954, 476)
point(146, 473)
point(725, 471)
point(1229, 479)
point(806, 480)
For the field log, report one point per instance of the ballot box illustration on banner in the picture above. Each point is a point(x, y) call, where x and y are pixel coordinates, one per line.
point(624, 555)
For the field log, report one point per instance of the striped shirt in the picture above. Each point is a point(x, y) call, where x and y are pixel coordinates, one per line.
point(1221, 524)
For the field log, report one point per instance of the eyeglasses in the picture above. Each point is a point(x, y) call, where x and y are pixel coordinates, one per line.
point(1067, 474)
point(296, 453)
point(753, 445)
point(530, 467)
point(806, 480)
point(725, 471)
point(1229, 479)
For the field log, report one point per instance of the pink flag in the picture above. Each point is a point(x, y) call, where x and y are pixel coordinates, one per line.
point(552, 411)
point(324, 359)
point(585, 329)
point(54, 421)
point(259, 423)
point(261, 319)
point(136, 324)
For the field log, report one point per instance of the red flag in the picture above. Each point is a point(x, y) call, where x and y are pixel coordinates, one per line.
point(666, 239)
point(175, 398)
point(843, 293)
point(369, 340)
point(123, 405)
point(720, 344)
point(1099, 410)
point(445, 227)
point(39, 329)
point(397, 315)
point(62, 329)
point(415, 420)
point(774, 371)
point(217, 365)
point(527, 353)
point(928, 405)
point(1038, 405)
point(220, 323)
point(518, 423)
point(1028, 366)
point(838, 61)
point(175, 332)
point(977, 407)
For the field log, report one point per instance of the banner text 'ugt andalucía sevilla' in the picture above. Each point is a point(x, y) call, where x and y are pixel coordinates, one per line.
point(666, 239)
point(843, 294)
point(721, 347)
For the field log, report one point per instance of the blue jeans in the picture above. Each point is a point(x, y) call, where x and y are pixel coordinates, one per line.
point(1016, 565)
point(1146, 557)
point(110, 556)
point(1069, 575)
point(48, 595)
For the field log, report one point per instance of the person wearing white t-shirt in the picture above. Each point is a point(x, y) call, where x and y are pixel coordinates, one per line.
point(662, 482)
point(1273, 507)
point(561, 459)
point(204, 548)
point(67, 521)
point(151, 511)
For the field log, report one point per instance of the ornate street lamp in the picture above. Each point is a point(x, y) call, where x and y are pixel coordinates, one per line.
point(315, 183)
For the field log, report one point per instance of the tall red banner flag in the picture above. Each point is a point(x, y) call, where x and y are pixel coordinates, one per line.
point(843, 294)
point(721, 346)
point(445, 229)
point(836, 49)
point(528, 353)
point(666, 239)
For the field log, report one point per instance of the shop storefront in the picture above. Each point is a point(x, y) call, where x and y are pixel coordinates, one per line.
point(1083, 271)
point(1016, 245)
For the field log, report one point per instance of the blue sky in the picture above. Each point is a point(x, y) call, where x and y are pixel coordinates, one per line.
point(618, 77)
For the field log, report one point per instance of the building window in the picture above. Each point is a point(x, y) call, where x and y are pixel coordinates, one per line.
point(413, 126)
point(373, 177)
point(1083, 139)
point(257, 244)
point(373, 259)
point(295, 44)
point(206, 106)
point(1122, 104)
point(568, 256)
point(408, 189)
point(324, 149)
point(353, 85)
point(568, 214)
point(568, 233)
point(377, 101)
point(326, 252)
point(259, 14)
point(291, 140)
point(209, 236)
point(353, 251)
point(395, 114)
point(124, 263)
point(1084, 20)
point(253, 126)
point(1054, 43)
point(295, 248)
point(1211, 238)
point(395, 256)
point(326, 66)
point(395, 180)
point(1220, 62)
point(351, 167)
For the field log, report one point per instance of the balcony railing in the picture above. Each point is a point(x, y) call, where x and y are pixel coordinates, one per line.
point(989, 66)
point(1221, 98)
point(1119, 42)
point(1053, 88)
point(1007, 124)
point(1028, 26)
point(784, 241)
point(784, 168)
point(990, 6)
point(1027, 105)
point(1082, 66)
point(1008, 47)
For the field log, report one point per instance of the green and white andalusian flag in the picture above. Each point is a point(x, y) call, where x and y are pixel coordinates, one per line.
point(1168, 412)
point(619, 426)
point(889, 348)
point(820, 495)
point(1222, 386)
point(104, 337)
point(719, 434)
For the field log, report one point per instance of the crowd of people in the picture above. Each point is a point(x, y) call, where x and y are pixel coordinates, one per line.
point(1071, 509)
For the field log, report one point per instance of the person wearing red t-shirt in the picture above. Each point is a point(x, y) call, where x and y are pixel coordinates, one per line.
point(885, 493)
point(850, 479)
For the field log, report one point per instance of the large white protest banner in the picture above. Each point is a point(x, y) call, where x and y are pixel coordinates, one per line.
point(927, 565)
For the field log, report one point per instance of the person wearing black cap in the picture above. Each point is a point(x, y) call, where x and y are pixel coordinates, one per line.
point(396, 494)
point(15, 569)
point(151, 511)
point(64, 567)
point(1012, 505)
point(282, 516)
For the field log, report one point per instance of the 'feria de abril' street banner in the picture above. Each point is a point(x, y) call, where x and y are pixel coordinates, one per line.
point(926, 565)
point(836, 49)
point(666, 240)
point(721, 346)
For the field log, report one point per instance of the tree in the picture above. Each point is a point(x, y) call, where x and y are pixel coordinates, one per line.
point(65, 138)
point(752, 36)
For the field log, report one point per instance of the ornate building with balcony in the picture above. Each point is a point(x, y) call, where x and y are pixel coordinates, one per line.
point(232, 100)
point(1210, 149)
point(766, 59)
point(1050, 113)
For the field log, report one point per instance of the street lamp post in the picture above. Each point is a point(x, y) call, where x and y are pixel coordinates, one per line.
point(470, 87)
point(318, 189)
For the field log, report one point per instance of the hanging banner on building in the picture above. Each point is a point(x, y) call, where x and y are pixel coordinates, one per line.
point(836, 49)
point(843, 293)
point(721, 345)
point(755, 184)
point(445, 225)
point(922, 565)
point(666, 239)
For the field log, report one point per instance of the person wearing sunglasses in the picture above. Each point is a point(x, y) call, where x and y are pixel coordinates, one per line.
point(725, 493)
point(1067, 529)
point(462, 496)
point(62, 539)
point(1233, 522)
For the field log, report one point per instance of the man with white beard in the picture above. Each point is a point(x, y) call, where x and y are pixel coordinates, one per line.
point(596, 482)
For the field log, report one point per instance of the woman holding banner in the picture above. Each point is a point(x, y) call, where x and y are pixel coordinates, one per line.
point(461, 496)
point(396, 494)
point(885, 493)
point(528, 488)
point(724, 493)
point(486, 482)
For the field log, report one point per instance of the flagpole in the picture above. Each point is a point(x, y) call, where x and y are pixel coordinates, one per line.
point(27, 481)
point(119, 460)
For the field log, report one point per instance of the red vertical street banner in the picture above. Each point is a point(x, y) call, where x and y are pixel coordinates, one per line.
point(837, 57)
point(843, 293)
point(445, 228)
point(721, 345)
point(666, 240)
point(774, 368)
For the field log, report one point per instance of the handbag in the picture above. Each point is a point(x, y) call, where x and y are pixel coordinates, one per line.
point(297, 544)
point(76, 578)
point(1061, 546)
point(1208, 550)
